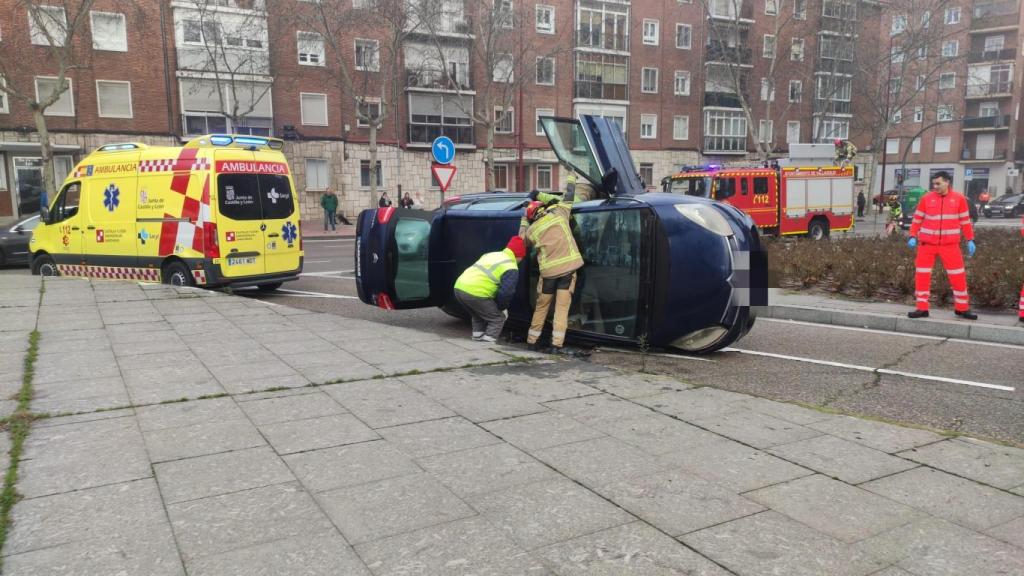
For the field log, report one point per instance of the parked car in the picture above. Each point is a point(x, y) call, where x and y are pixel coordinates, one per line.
point(14, 241)
point(667, 270)
point(1006, 206)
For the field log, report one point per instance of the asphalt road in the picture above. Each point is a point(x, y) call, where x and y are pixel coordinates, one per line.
point(961, 386)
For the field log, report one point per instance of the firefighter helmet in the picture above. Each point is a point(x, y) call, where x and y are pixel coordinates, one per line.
point(534, 210)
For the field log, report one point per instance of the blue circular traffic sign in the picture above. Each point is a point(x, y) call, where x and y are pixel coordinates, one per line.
point(443, 149)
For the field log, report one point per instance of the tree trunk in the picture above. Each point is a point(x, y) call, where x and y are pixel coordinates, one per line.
point(49, 185)
point(373, 163)
point(490, 158)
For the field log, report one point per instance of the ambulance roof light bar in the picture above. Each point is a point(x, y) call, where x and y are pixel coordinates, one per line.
point(250, 142)
point(120, 146)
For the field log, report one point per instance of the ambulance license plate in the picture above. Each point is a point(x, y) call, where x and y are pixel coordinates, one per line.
point(241, 261)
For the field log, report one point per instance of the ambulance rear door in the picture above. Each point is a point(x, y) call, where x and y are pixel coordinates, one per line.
point(280, 214)
point(239, 220)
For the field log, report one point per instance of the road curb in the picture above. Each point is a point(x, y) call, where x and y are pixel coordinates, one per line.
point(961, 329)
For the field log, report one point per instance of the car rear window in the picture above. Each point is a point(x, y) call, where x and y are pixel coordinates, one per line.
point(252, 197)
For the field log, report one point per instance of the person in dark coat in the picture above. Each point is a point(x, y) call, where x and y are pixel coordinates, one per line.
point(860, 204)
point(384, 201)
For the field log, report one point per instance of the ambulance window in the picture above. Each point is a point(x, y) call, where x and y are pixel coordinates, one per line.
point(67, 205)
point(726, 188)
point(743, 187)
point(276, 195)
point(760, 185)
point(238, 196)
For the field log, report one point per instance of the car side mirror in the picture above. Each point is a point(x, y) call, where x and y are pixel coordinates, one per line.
point(44, 214)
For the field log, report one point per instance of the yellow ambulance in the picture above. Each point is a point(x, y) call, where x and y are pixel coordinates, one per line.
point(219, 211)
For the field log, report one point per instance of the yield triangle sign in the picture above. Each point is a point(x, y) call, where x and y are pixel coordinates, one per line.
point(443, 173)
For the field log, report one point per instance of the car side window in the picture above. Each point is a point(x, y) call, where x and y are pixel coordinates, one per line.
point(725, 188)
point(66, 205)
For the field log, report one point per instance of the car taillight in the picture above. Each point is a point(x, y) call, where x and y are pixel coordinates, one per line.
point(384, 301)
point(211, 244)
point(453, 199)
point(384, 214)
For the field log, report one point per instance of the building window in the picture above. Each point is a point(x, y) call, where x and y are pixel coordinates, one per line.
point(545, 19)
point(897, 117)
point(313, 109)
point(501, 176)
point(64, 106)
point(768, 50)
point(793, 132)
point(649, 80)
point(765, 131)
point(918, 114)
point(503, 70)
point(364, 174)
point(208, 32)
point(947, 80)
point(796, 51)
point(942, 144)
point(922, 52)
point(503, 15)
point(767, 90)
point(892, 146)
point(603, 25)
point(994, 43)
point(601, 76)
point(953, 15)
point(921, 81)
point(684, 33)
point(544, 177)
point(832, 128)
point(648, 126)
point(950, 48)
point(796, 91)
point(114, 99)
point(896, 55)
point(899, 24)
point(725, 131)
point(681, 83)
point(915, 146)
point(46, 24)
point(926, 19)
point(368, 110)
point(317, 175)
point(680, 127)
point(109, 31)
point(4, 109)
point(367, 55)
point(945, 113)
point(647, 173)
point(800, 9)
point(433, 115)
point(503, 120)
point(542, 113)
point(771, 7)
point(311, 49)
point(651, 32)
point(545, 71)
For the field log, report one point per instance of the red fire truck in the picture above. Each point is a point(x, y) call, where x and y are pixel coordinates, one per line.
point(788, 200)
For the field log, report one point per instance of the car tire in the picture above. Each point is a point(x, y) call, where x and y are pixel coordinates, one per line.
point(818, 230)
point(45, 266)
point(3, 258)
point(269, 287)
point(177, 274)
point(454, 310)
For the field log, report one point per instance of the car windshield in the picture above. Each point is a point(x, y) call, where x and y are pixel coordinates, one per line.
point(695, 186)
point(571, 146)
point(1011, 199)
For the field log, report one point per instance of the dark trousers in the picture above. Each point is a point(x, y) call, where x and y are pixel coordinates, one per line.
point(330, 220)
point(487, 318)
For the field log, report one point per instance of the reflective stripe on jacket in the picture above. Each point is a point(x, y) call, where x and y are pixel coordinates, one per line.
point(483, 278)
point(941, 219)
point(551, 236)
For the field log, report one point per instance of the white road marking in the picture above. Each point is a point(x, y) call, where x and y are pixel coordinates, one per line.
point(331, 241)
point(870, 369)
point(314, 261)
point(851, 328)
point(317, 294)
point(326, 273)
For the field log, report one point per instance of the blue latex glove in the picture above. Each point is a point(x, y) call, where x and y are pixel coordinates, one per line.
point(912, 242)
point(971, 248)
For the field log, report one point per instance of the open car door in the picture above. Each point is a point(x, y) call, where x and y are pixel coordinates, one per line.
point(595, 148)
point(393, 258)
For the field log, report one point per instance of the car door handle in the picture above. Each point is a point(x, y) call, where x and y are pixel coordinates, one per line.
point(273, 235)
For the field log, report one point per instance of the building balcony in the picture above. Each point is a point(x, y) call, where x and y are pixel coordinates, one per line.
point(828, 65)
point(976, 57)
point(968, 156)
point(994, 15)
point(840, 26)
point(832, 107)
point(600, 41)
point(600, 90)
point(450, 25)
point(725, 144)
point(722, 100)
point(727, 55)
point(982, 123)
point(434, 80)
point(990, 90)
point(746, 15)
point(424, 134)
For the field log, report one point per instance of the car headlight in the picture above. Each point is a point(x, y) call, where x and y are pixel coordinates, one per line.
point(707, 217)
point(700, 339)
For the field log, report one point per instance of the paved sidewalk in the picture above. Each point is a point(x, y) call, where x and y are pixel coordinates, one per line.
point(315, 229)
point(533, 467)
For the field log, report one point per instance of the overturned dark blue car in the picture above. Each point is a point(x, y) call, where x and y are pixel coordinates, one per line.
point(662, 270)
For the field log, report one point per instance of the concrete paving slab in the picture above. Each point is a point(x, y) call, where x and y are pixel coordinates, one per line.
point(386, 402)
point(437, 437)
point(79, 395)
point(632, 549)
point(216, 474)
point(86, 417)
point(938, 548)
point(632, 385)
point(156, 359)
point(599, 461)
point(324, 554)
point(163, 341)
point(992, 464)
point(545, 513)
point(180, 414)
point(956, 499)
point(768, 544)
point(236, 377)
point(888, 438)
point(848, 461)
point(755, 429)
point(159, 384)
point(1011, 532)
point(485, 469)
point(308, 359)
point(462, 547)
point(783, 411)
point(538, 431)
point(229, 522)
point(732, 465)
point(831, 507)
point(342, 466)
point(201, 439)
point(393, 506)
point(657, 434)
point(315, 433)
point(676, 502)
point(596, 410)
point(308, 403)
point(345, 372)
point(693, 404)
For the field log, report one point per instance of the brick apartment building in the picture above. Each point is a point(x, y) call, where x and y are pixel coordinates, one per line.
point(669, 71)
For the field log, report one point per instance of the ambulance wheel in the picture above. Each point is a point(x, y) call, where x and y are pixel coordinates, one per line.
point(45, 266)
point(270, 287)
point(818, 230)
point(177, 274)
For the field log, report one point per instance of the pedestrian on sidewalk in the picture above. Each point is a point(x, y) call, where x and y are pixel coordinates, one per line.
point(384, 201)
point(486, 288)
point(941, 216)
point(860, 204)
point(329, 202)
point(406, 201)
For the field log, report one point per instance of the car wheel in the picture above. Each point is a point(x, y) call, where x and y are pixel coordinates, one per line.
point(818, 230)
point(455, 311)
point(177, 274)
point(45, 266)
point(3, 258)
point(269, 287)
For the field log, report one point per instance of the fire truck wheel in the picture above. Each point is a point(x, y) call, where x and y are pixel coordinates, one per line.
point(818, 229)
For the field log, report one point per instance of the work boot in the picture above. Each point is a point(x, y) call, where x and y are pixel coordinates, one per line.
point(535, 347)
point(966, 315)
point(917, 314)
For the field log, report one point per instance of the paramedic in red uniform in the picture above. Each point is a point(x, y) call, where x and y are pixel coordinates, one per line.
point(940, 217)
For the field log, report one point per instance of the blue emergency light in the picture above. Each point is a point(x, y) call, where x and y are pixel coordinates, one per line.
point(221, 140)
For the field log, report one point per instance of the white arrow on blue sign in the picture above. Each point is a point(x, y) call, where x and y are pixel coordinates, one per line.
point(443, 149)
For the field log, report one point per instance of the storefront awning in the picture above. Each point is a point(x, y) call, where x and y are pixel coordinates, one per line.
point(34, 147)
